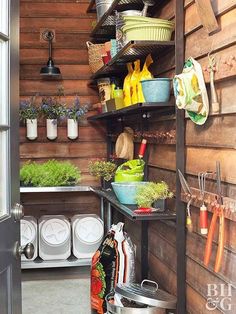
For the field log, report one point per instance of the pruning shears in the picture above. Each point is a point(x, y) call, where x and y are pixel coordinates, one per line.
point(188, 192)
point(218, 212)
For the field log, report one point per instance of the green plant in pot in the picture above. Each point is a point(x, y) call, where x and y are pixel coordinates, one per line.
point(105, 170)
point(153, 195)
point(50, 173)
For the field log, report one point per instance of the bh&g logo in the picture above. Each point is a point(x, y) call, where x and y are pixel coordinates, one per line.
point(219, 296)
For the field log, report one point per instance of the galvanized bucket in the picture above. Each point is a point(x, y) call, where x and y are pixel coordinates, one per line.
point(102, 6)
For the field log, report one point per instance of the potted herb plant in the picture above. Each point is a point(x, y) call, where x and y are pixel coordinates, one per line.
point(52, 110)
point(73, 114)
point(153, 195)
point(105, 170)
point(29, 112)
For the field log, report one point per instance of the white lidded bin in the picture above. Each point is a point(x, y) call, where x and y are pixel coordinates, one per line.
point(29, 234)
point(54, 237)
point(87, 234)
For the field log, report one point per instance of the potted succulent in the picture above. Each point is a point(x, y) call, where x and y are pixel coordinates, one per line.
point(53, 110)
point(29, 112)
point(73, 114)
point(105, 170)
point(153, 195)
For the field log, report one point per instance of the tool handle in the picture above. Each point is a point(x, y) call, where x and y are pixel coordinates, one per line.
point(208, 247)
point(203, 220)
point(221, 243)
point(142, 148)
point(189, 224)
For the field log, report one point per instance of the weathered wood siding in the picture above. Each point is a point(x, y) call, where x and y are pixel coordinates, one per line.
point(72, 26)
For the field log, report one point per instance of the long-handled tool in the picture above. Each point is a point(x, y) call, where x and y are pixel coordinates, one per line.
point(212, 68)
point(203, 209)
point(218, 211)
point(188, 192)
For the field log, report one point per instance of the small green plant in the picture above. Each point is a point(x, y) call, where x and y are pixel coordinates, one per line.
point(29, 109)
point(149, 193)
point(50, 173)
point(102, 169)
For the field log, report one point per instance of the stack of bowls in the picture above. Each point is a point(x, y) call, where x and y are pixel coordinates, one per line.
point(146, 28)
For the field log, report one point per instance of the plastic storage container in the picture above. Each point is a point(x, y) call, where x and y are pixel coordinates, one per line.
point(156, 90)
point(54, 237)
point(87, 234)
point(29, 234)
point(126, 191)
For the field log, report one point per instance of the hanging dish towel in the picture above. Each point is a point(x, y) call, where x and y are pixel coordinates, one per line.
point(125, 145)
point(190, 92)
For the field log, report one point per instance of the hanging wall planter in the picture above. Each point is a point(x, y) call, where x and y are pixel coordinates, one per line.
point(72, 129)
point(51, 129)
point(31, 129)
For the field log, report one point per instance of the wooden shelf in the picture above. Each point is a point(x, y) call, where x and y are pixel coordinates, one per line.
point(135, 49)
point(162, 107)
point(128, 210)
point(105, 28)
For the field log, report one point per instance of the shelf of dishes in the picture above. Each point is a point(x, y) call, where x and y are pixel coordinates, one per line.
point(162, 107)
point(134, 49)
point(106, 25)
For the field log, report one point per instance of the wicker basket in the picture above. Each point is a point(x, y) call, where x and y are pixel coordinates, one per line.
point(95, 52)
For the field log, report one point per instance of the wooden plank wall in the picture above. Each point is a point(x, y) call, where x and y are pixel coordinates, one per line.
point(216, 140)
point(72, 27)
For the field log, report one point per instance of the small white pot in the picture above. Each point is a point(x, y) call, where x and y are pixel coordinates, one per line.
point(31, 129)
point(72, 129)
point(51, 129)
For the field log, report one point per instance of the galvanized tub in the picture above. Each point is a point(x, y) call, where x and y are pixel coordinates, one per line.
point(102, 6)
point(149, 299)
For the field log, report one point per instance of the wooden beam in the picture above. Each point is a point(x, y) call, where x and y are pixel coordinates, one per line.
point(207, 15)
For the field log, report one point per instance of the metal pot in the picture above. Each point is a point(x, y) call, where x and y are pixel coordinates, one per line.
point(153, 300)
point(102, 6)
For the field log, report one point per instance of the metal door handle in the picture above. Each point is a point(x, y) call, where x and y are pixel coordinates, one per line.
point(18, 212)
point(27, 250)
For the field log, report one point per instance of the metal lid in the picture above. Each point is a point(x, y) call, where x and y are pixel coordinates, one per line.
point(147, 293)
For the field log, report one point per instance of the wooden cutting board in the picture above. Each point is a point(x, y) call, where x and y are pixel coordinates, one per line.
point(207, 15)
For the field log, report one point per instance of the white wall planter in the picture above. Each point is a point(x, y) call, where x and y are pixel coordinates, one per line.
point(31, 129)
point(51, 129)
point(72, 129)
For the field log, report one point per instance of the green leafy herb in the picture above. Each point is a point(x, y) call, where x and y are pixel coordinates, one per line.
point(102, 169)
point(149, 193)
point(50, 173)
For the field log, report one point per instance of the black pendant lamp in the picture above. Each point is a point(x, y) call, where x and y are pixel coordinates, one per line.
point(49, 70)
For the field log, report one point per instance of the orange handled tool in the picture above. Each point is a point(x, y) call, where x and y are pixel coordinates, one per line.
point(218, 211)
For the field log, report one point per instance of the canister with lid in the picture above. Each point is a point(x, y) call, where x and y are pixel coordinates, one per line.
point(146, 298)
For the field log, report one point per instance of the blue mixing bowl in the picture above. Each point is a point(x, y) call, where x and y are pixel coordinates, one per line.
point(126, 191)
point(156, 90)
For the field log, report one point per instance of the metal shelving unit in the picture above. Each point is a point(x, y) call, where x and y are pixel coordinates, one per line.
point(133, 50)
point(141, 108)
point(70, 262)
point(104, 30)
